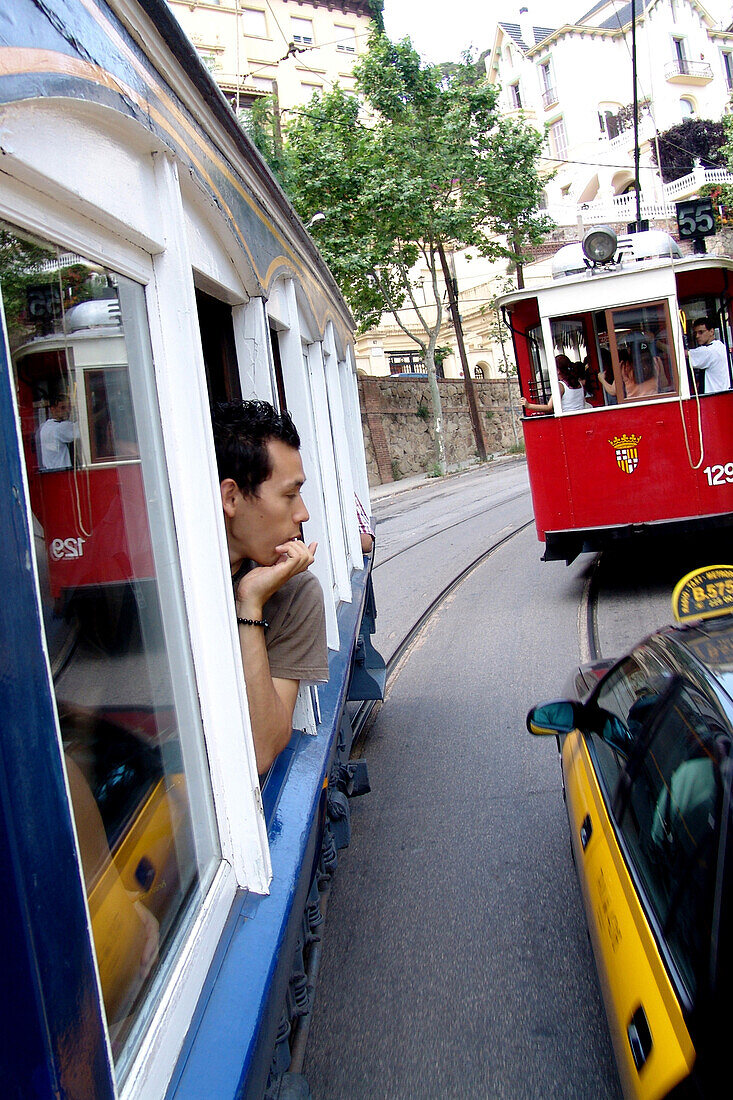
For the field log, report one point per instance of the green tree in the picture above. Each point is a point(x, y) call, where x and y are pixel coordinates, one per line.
point(424, 162)
point(682, 145)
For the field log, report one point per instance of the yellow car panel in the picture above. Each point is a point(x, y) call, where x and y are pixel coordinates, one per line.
point(629, 964)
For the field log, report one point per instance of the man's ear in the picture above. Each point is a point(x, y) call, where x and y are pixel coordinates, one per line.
point(230, 493)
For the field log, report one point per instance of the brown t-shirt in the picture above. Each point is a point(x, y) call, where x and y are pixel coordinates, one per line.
point(296, 636)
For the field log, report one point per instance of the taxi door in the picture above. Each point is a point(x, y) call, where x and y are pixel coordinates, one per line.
point(654, 1051)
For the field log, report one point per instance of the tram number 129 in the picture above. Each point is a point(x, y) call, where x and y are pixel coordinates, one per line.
point(718, 475)
point(67, 549)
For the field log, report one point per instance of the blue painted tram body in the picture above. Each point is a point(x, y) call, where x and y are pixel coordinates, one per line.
point(160, 904)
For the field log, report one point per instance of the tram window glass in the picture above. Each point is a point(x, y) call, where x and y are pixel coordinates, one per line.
point(111, 419)
point(539, 383)
point(112, 610)
point(641, 345)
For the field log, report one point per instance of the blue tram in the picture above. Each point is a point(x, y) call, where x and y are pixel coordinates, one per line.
point(160, 902)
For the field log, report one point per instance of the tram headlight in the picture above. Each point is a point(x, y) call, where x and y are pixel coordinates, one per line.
point(599, 244)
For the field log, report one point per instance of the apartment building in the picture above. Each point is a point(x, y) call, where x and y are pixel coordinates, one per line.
point(576, 80)
point(296, 46)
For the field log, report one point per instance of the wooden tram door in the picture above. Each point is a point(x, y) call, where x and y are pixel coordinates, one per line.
point(219, 349)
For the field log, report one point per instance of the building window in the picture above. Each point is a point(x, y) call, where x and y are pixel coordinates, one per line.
point(254, 23)
point(516, 96)
point(728, 69)
point(687, 107)
point(405, 362)
point(558, 140)
point(680, 56)
point(345, 38)
point(113, 614)
point(307, 91)
point(302, 30)
point(478, 373)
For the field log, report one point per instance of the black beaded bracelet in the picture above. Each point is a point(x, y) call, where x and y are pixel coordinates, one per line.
point(253, 622)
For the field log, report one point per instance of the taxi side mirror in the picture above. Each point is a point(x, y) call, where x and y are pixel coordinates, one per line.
point(553, 718)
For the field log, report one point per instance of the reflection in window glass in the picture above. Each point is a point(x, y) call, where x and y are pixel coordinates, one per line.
point(644, 351)
point(104, 541)
point(671, 825)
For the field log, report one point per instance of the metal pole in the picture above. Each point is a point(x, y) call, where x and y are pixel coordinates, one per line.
point(467, 380)
point(636, 115)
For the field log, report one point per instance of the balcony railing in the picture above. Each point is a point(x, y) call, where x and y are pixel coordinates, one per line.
point(622, 208)
point(549, 98)
point(694, 71)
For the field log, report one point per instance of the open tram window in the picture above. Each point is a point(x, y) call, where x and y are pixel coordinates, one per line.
point(218, 347)
point(112, 610)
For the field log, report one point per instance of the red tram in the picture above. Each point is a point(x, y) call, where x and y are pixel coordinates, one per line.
point(650, 449)
point(91, 510)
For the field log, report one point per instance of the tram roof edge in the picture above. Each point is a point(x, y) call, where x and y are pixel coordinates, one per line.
point(185, 53)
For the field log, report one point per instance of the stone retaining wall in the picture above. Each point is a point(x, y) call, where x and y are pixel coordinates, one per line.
point(398, 438)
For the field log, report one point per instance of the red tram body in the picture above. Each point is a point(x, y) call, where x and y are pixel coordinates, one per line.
point(92, 514)
point(625, 462)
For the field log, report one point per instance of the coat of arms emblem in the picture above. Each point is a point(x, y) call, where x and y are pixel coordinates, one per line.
point(627, 453)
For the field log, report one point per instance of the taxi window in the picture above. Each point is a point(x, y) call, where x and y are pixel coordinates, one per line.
point(669, 820)
point(624, 702)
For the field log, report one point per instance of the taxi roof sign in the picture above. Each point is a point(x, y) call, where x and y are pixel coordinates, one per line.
point(704, 594)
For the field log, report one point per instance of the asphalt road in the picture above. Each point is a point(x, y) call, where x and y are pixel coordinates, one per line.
point(456, 961)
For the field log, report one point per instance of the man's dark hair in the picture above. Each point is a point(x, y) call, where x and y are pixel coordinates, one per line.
point(242, 430)
point(709, 322)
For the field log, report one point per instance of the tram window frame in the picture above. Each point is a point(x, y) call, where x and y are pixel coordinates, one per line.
point(97, 459)
point(239, 830)
point(539, 382)
point(609, 314)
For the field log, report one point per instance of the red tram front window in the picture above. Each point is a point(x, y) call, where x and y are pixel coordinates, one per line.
point(639, 339)
point(111, 419)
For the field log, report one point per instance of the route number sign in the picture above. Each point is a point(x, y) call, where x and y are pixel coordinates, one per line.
point(695, 218)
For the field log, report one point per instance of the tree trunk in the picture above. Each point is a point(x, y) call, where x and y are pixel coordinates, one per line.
point(438, 428)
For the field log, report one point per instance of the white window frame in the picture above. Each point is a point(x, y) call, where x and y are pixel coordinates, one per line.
point(557, 152)
point(294, 340)
point(169, 291)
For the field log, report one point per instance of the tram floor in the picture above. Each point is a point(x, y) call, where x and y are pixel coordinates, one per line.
point(456, 961)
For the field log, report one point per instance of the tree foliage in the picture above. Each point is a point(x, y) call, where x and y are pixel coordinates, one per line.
point(681, 145)
point(427, 161)
point(422, 161)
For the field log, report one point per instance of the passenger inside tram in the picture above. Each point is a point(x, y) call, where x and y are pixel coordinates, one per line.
point(572, 391)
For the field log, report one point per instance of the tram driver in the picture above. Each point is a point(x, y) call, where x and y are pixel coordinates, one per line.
point(279, 604)
point(710, 356)
point(55, 435)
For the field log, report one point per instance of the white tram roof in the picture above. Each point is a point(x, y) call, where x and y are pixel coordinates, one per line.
point(652, 257)
point(653, 244)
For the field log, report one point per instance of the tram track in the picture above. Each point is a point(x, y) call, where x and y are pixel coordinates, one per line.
point(363, 718)
point(442, 530)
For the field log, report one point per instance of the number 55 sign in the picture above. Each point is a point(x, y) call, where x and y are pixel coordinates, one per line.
point(695, 218)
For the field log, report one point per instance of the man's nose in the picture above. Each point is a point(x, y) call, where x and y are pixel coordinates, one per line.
point(302, 513)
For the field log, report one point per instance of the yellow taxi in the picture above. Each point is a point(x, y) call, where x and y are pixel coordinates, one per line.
point(646, 753)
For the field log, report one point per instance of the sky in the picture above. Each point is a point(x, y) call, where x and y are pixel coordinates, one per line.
point(441, 30)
